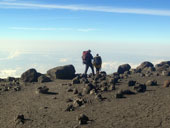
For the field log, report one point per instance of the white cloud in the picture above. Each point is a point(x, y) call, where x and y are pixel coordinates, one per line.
point(111, 67)
point(12, 55)
point(8, 72)
point(63, 60)
point(85, 8)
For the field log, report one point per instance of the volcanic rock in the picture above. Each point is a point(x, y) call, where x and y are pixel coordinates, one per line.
point(30, 75)
point(62, 72)
point(119, 94)
point(140, 88)
point(76, 80)
point(70, 107)
point(162, 66)
point(145, 66)
point(123, 68)
point(43, 90)
point(131, 83)
point(44, 78)
point(83, 119)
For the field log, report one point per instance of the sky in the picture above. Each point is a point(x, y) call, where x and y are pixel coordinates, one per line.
point(44, 34)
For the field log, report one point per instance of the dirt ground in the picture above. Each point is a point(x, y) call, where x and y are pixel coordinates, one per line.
point(150, 109)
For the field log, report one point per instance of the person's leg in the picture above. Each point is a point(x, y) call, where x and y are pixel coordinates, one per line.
point(91, 66)
point(97, 71)
point(86, 69)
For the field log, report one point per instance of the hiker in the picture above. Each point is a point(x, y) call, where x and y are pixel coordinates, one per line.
point(97, 62)
point(87, 60)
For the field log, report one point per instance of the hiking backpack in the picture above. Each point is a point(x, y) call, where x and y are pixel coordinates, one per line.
point(97, 60)
point(85, 56)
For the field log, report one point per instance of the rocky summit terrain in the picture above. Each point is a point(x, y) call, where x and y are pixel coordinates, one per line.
point(128, 98)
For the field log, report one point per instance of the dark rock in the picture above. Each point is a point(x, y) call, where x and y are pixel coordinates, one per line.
point(62, 72)
point(30, 75)
point(83, 119)
point(70, 108)
point(10, 79)
point(123, 68)
point(127, 92)
point(131, 83)
point(79, 102)
point(119, 95)
point(43, 90)
point(151, 83)
point(20, 119)
point(18, 88)
point(144, 65)
point(76, 80)
point(75, 91)
point(70, 90)
point(99, 97)
point(140, 88)
point(162, 66)
point(44, 78)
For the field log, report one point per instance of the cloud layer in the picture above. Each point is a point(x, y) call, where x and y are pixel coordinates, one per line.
point(17, 5)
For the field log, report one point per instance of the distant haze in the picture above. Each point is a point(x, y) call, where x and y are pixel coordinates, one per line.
point(43, 55)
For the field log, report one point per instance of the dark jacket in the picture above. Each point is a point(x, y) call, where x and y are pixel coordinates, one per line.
point(89, 58)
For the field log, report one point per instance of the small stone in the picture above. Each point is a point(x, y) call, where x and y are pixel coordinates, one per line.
point(140, 88)
point(70, 108)
point(83, 119)
point(43, 90)
point(75, 91)
point(131, 83)
point(127, 92)
point(20, 119)
point(99, 97)
point(119, 94)
point(70, 90)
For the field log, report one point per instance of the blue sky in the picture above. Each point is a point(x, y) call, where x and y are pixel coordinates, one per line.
point(122, 31)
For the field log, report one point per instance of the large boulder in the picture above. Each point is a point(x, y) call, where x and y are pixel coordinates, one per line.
point(145, 66)
point(123, 68)
point(162, 66)
point(62, 72)
point(30, 75)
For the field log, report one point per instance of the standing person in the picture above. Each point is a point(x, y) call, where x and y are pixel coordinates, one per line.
point(87, 60)
point(97, 63)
